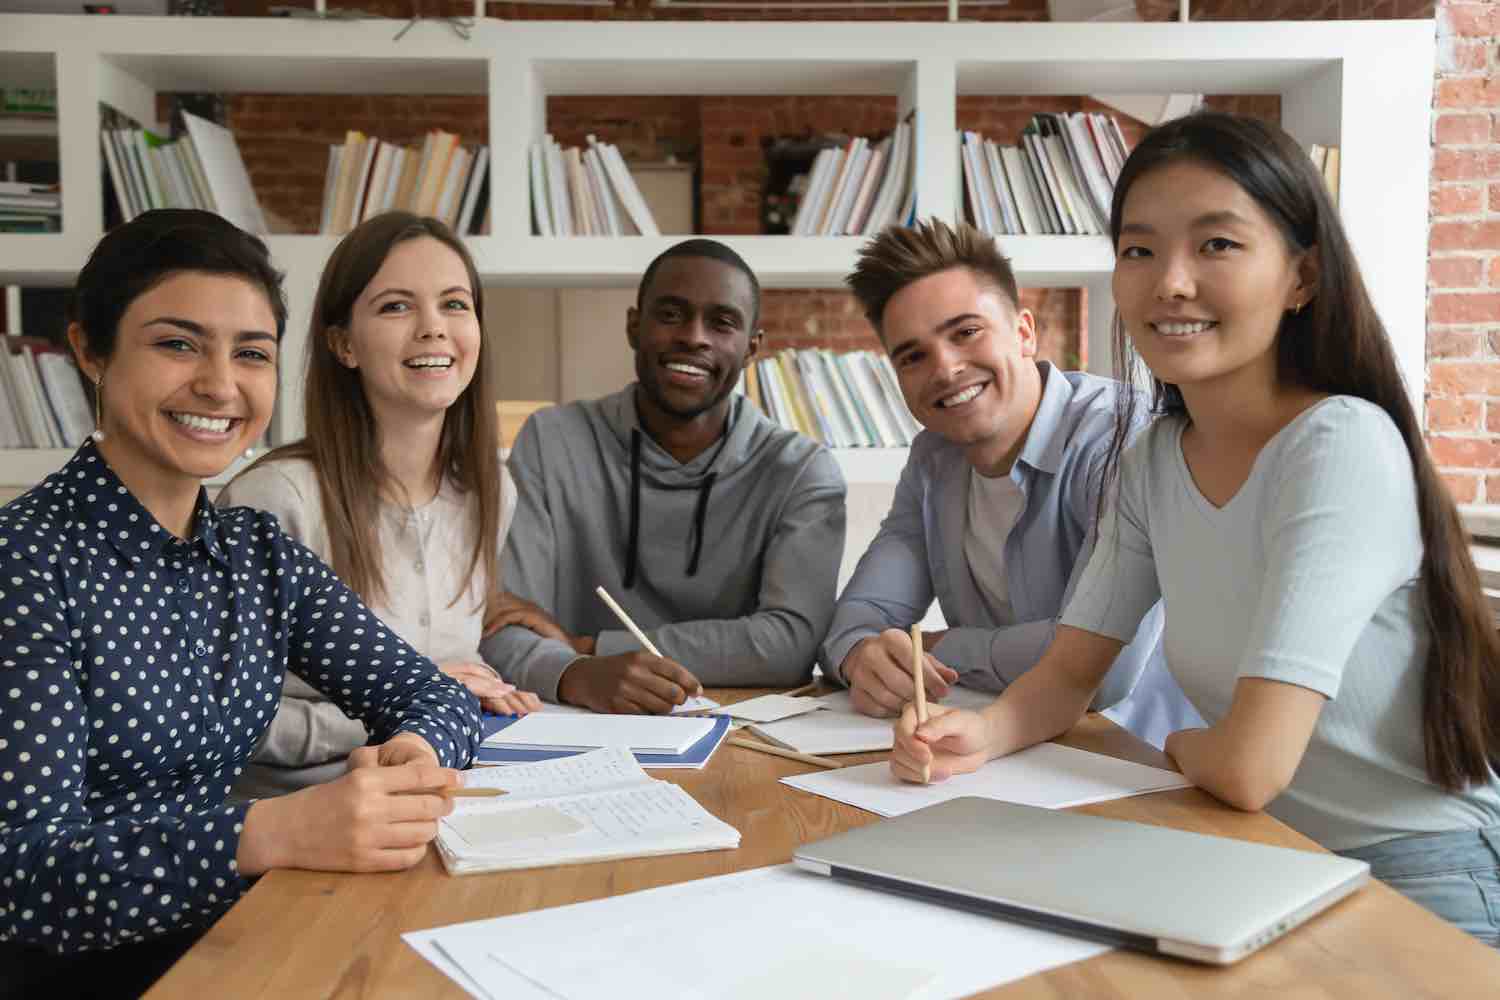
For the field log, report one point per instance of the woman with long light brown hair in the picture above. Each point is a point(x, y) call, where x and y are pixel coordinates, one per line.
point(397, 483)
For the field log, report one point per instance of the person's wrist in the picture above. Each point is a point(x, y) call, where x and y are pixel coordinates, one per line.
point(258, 847)
point(571, 681)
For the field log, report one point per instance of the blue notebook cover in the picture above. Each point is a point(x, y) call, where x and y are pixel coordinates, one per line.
point(694, 756)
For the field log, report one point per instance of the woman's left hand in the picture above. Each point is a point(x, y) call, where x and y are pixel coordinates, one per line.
point(495, 695)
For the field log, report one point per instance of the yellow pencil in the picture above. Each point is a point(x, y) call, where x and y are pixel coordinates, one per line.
point(806, 758)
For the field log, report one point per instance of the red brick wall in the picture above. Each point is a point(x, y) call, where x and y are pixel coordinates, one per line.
point(1463, 278)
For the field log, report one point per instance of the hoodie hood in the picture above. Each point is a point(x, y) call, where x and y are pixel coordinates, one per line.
point(651, 463)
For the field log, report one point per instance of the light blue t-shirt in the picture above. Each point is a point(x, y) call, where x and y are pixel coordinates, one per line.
point(1308, 576)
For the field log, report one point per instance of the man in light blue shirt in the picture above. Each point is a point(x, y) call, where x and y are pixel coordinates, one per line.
point(994, 514)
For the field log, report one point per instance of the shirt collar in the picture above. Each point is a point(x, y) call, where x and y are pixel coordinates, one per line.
point(104, 502)
point(1044, 446)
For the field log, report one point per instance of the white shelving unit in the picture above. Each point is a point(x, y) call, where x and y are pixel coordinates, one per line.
point(1365, 86)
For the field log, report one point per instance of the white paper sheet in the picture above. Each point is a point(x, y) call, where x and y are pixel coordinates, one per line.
point(1046, 775)
point(750, 930)
point(770, 707)
point(643, 733)
point(840, 729)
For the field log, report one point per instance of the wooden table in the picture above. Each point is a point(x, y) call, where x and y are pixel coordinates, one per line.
point(310, 934)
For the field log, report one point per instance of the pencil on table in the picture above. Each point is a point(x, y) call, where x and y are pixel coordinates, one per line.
point(775, 751)
point(803, 690)
point(625, 620)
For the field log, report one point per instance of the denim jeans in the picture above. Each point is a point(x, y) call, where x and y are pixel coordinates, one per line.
point(1455, 875)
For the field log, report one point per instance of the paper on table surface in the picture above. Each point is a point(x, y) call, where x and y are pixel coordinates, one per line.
point(1047, 775)
point(840, 729)
point(770, 914)
point(771, 707)
point(696, 703)
point(596, 770)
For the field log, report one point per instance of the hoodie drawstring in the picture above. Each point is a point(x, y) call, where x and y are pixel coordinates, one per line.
point(699, 516)
point(635, 507)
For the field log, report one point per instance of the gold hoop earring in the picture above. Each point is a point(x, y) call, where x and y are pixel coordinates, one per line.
point(98, 434)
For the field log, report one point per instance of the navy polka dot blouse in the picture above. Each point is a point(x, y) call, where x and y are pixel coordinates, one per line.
point(137, 673)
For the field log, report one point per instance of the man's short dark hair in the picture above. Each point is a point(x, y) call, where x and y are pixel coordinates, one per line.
point(714, 250)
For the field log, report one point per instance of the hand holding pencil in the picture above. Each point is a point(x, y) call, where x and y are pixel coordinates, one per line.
point(934, 743)
point(639, 682)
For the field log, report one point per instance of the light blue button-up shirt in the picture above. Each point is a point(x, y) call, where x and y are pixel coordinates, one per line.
point(919, 554)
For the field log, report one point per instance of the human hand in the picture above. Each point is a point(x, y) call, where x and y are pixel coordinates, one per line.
point(505, 608)
point(950, 742)
point(878, 672)
point(494, 694)
point(635, 682)
point(403, 748)
point(371, 819)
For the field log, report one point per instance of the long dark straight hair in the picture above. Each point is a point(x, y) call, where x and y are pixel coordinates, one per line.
point(1338, 345)
point(341, 441)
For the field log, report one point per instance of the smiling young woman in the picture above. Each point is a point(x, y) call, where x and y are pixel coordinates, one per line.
point(398, 483)
point(1322, 610)
point(144, 636)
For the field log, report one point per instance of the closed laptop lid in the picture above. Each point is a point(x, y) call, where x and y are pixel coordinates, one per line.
point(1204, 897)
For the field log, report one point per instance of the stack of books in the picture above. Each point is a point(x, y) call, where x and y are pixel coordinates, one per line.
point(1326, 159)
point(440, 178)
point(849, 400)
point(585, 192)
point(1059, 180)
point(860, 189)
point(42, 403)
point(201, 169)
point(30, 208)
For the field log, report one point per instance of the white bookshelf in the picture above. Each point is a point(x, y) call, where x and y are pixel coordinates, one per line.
point(1363, 85)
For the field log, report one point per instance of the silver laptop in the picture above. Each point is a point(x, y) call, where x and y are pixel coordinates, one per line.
point(1210, 899)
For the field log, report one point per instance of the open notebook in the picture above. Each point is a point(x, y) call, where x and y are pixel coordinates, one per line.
point(594, 806)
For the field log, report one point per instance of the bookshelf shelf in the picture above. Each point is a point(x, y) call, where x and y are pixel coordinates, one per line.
point(1364, 86)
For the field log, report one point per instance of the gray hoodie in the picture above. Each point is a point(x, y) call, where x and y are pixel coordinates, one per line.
point(728, 563)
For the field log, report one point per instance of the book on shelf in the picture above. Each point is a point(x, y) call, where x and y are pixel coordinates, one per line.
point(30, 208)
point(594, 806)
point(857, 189)
point(585, 192)
point(1059, 178)
point(844, 400)
point(42, 402)
point(200, 169)
point(1326, 159)
point(441, 178)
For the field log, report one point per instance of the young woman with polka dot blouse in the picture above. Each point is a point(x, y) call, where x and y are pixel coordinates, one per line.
point(144, 637)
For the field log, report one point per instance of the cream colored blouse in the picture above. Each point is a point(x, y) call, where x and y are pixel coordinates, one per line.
point(426, 558)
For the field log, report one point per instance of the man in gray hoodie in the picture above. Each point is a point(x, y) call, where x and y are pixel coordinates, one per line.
point(719, 532)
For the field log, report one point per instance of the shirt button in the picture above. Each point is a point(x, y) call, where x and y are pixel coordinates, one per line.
point(201, 648)
point(424, 620)
point(421, 566)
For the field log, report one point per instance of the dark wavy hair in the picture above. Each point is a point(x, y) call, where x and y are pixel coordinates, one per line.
point(134, 258)
point(1338, 345)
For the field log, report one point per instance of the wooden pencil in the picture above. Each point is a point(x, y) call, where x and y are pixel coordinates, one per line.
point(775, 751)
point(916, 674)
point(625, 620)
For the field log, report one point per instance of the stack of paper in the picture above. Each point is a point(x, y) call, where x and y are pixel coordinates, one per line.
point(590, 807)
point(768, 932)
point(643, 733)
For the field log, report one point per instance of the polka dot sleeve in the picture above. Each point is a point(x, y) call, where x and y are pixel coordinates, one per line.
point(341, 648)
point(84, 862)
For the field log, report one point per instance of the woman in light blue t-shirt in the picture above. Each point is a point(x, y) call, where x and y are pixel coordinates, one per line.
point(1323, 612)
